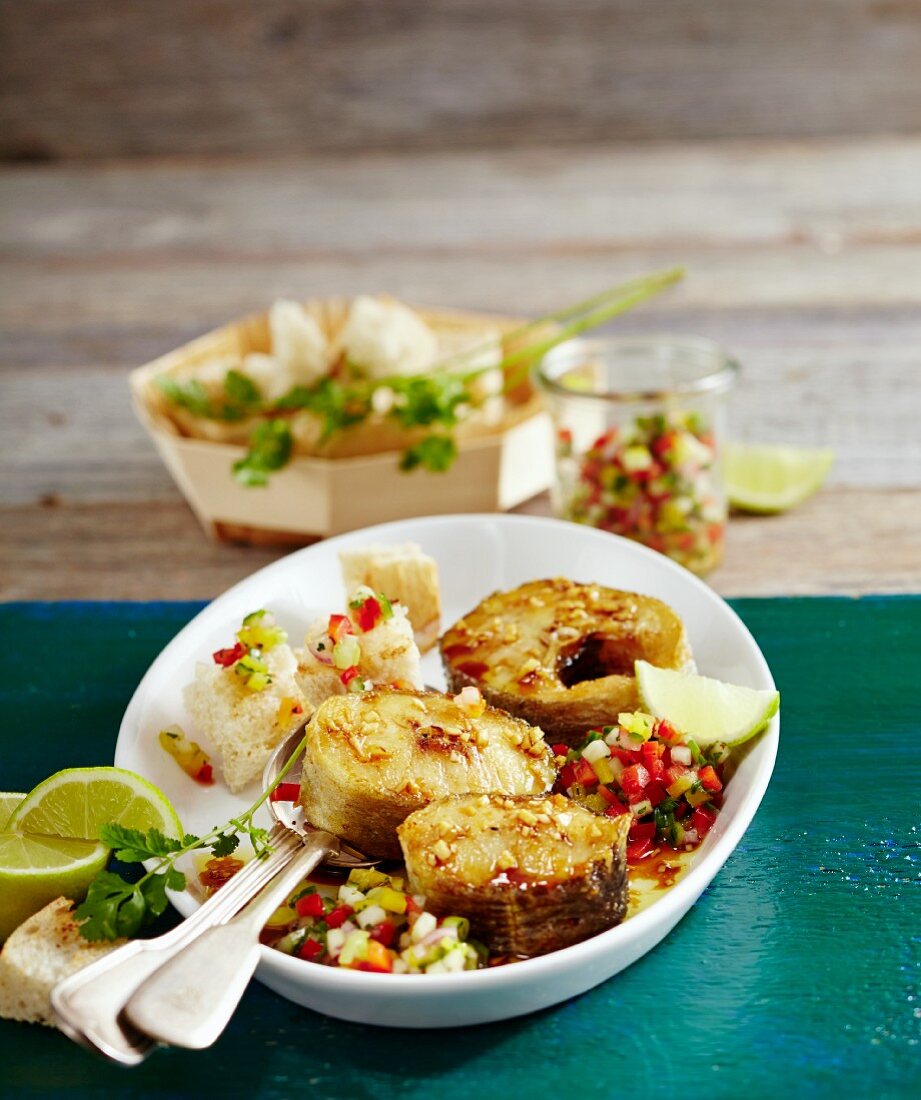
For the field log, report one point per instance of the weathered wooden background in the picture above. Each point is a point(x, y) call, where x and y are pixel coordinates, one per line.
point(803, 259)
point(92, 78)
point(463, 153)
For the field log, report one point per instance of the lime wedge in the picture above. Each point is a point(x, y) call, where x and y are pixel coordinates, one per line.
point(37, 869)
point(707, 710)
point(77, 801)
point(772, 479)
point(8, 802)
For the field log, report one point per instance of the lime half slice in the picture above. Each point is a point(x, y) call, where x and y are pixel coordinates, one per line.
point(707, 710)
point(8, 802)
point(37, 869)
point(772, 479)
point(78, 801)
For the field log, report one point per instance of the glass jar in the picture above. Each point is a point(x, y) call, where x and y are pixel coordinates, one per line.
point(640, 423)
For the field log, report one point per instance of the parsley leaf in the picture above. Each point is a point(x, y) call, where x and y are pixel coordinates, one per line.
point(133, 913)
point(336, 405)
point(269, 449)
point(130, 844)
point(241, 396)
point(434, 452)
point(133, 846)
point(113, 908)
point(427, 399)
point(175, 879)
point(190, 395)
point(153, 893)
point(241, 391)
point(225, 844)
point(161, 845)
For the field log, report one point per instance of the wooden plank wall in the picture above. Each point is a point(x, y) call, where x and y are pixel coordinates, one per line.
point(802, 259)
point(93, 78)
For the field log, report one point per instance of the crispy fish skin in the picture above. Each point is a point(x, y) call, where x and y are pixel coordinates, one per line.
point(531, 874)
point(373, 758)
point(560, 654)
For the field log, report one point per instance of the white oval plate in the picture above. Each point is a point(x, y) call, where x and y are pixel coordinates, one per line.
point(476, 555)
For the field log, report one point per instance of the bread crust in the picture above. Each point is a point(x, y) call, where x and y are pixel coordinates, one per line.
point(402, 573)
point(41, 952)
point(243, 725)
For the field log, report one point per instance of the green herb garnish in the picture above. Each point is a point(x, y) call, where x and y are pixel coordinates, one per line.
point(338, 406)
point(242, 391)
point(269, 449)
point(427, 399)
point(435, 399)
point(434, 452)
point(241, 396)
point(115, 907)
point(190, 394)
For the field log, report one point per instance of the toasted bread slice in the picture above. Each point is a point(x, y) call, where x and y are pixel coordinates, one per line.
point(41, 952)
point(245, 726)
point(388, 656)
point(402, 573)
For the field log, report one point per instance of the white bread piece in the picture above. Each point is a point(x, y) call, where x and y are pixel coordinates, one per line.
point(402, 573)
point(241, 724)
point(383, 337)
point(267, 374)
point(316, 681)
point(388, 654)
point(41, 952)
point(298, 343)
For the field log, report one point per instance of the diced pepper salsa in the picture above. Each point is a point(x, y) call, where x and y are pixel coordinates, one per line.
point(670, 786)
point(371, 924)
point(189, 755)
point(654, 480)
point(257, 635)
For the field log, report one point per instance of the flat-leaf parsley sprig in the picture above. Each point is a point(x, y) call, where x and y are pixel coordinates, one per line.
point(115, 907)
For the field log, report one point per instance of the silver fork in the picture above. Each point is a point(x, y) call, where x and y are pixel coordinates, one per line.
point(91, 1005)
point(189, 1000)
point(88, 1004)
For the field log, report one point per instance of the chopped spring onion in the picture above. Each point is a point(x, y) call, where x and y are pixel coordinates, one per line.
point(347, 652)
point(373, 926)
point(595, 750)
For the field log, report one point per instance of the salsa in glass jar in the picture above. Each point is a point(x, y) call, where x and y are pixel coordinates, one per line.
point(638, 429)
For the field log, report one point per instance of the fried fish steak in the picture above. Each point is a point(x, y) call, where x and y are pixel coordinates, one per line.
point(531, 874)
point(373, 758)
point(560, 654)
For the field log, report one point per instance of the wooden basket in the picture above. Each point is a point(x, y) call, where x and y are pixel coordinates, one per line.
point(353, 480)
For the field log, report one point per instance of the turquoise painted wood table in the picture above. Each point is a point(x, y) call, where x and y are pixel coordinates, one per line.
point(795, 975)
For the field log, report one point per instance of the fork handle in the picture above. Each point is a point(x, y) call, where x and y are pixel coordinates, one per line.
point(88, 1004)
point(189, 1000)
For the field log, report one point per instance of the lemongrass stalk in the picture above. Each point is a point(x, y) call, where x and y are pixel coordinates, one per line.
point(641, 292)
point(584, 315)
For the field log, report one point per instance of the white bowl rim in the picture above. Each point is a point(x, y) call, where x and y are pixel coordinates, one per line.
point(670, 906)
